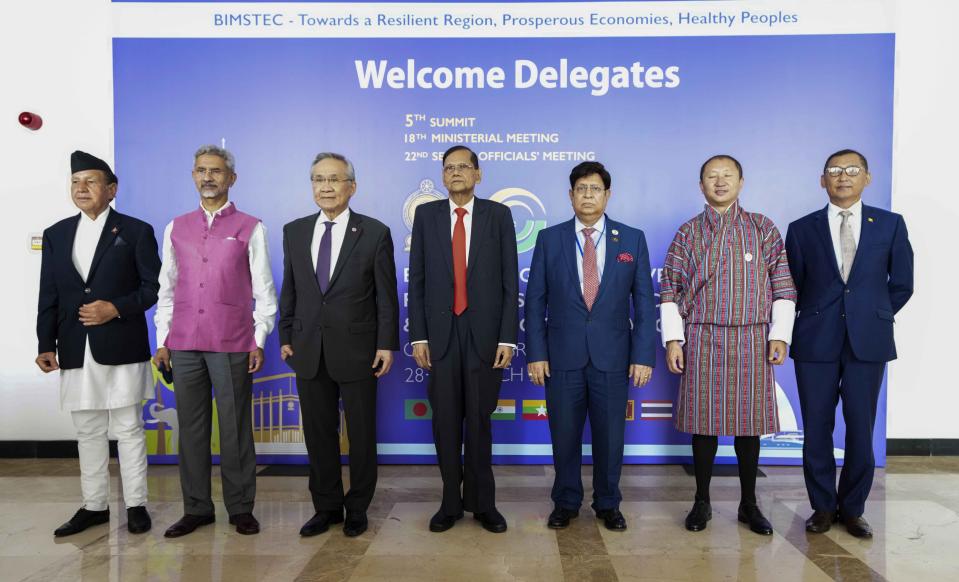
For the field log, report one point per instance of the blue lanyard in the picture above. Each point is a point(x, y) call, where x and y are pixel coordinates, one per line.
point(579, 246)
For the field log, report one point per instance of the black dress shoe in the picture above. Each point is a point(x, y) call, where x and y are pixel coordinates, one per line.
point(245, 524)
point(491, 520)
point(560, 517)
point(858, 527)
point(612, 519)
point(699, 515)
point(138, 520)
point(187, 524)
point(820, 521)
point(81, 520)
point(320, 522)
point(356, 523)
point(749, 513)
point(441, 522)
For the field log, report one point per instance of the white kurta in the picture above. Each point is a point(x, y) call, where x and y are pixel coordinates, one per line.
point(96, 386)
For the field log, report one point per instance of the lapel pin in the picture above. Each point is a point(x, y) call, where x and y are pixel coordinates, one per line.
point(615, 232)
point(870, 219)
point(116, 230)
point(353, 229)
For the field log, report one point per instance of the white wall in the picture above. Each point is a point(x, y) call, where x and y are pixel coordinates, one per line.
point(57, 62)
point(924, 382)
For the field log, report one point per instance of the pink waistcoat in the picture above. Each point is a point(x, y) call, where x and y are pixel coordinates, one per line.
point(213, 296)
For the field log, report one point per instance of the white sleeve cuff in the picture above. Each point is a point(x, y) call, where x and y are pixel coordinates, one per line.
point(671, 323)
point(783, 318)
point(419, 342)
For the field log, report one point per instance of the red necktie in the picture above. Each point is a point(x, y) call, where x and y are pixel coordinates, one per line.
point(459, 263)
point(590, 273)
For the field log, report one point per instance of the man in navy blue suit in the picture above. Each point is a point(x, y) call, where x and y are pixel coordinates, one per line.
point(588, 274)
point(852, 265)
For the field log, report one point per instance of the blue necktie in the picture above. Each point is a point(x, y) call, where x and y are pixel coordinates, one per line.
point(324, 256)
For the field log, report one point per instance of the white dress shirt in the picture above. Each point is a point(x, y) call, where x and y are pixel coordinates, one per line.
point(468, 225)
point(599, 239)
point(264, 311)
point(337, 234)
point(98, 386)
point(835, 220)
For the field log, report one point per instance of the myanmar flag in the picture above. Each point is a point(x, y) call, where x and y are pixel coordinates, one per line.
point(534, 410)
point(417, 410)
point(505, 410)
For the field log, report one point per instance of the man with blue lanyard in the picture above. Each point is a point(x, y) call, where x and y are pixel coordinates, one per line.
point(589, 276)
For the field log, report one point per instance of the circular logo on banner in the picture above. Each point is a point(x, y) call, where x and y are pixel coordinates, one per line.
point(426, 193)
point(527, 211)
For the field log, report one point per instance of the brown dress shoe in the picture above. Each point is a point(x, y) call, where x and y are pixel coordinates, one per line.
point(857, 527)
point(245, 524)
point(820, 521)
point(188, 524)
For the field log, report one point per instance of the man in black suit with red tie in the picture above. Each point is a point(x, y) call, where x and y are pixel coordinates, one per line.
point(338, 328)
point(463, 310)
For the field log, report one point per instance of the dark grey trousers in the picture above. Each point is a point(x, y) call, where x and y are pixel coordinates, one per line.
point(194, 374)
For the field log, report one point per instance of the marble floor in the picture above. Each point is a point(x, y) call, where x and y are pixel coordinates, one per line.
point(914, 509)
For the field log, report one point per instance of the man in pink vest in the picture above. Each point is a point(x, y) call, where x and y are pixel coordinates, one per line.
point(216, 306)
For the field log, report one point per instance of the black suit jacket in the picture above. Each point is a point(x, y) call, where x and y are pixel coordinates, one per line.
point(359, 313)
point(125, 271)
point(492, 279)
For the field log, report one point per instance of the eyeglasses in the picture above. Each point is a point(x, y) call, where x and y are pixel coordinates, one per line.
point(333, 181)
point(457, 168)
point(594, 189)
point(215, 172)
point(836, 171)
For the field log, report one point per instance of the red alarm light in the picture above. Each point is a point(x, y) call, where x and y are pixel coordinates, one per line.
point(30, 120)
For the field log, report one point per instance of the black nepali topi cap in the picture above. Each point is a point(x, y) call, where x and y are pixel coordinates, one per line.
point(80, 161)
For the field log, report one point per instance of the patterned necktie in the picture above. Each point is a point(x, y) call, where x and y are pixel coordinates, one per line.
point(847, 244)
point(590, 274)
point(323, 257)
point(459, 263)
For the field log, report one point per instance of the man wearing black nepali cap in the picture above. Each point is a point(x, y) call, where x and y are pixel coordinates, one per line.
point(98, 275)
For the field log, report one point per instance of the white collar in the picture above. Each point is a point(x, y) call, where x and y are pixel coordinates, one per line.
point(342, 218)
point(468, 206)
point(600, 225)
point(100, 220)
point(855, 209)
point(218, 210)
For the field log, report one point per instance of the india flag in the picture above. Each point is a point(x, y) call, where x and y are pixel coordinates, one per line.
point(505, 410)
point(417, 410)
point(534, 410)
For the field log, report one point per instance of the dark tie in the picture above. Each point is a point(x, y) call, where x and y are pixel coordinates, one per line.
point(323, 257)
point(459, 263)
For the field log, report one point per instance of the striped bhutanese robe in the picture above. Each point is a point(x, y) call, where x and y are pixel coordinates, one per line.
point(724, 271)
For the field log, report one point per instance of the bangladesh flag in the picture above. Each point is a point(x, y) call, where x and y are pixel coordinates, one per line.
point(534, 410)
point(417, 410)
point(505, 410)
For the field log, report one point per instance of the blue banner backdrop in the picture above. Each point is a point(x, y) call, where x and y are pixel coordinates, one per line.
point(779, 104)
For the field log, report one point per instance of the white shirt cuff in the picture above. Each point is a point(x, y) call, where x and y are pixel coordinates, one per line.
point(419, 342)
point(671, 323)
point(783, 318)
point(508, 345)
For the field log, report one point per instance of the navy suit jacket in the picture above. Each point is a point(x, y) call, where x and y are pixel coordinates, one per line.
point(125, 271)
point(864, 307)
point(492, 278)
point(573, 335)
